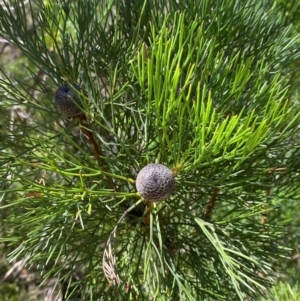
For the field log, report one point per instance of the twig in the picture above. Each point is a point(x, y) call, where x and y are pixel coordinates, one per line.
point(88, 133)
point(211, 204)
point(95, 148)
point(104, 85)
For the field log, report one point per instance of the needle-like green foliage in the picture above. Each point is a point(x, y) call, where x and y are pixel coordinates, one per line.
point(202, 87)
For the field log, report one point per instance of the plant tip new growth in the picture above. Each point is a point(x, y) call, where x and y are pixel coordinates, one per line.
point(67, 100)
point(155, 182)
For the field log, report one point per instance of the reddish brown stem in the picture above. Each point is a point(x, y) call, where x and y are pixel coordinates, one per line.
point(90, 137)
point(95, 148)
point(211, 204)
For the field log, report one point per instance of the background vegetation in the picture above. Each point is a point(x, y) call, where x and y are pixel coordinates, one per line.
point(209, 89)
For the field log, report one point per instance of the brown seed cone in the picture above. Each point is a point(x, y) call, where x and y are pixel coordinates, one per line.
point(155, 182)
point(67, 100)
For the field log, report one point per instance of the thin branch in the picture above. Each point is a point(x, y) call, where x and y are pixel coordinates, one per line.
point(90, 137)
point(104, 85)
point(211, 204)
point(95, 148)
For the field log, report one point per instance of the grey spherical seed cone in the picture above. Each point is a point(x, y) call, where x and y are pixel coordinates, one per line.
point(67, 101)
point(155, 182)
